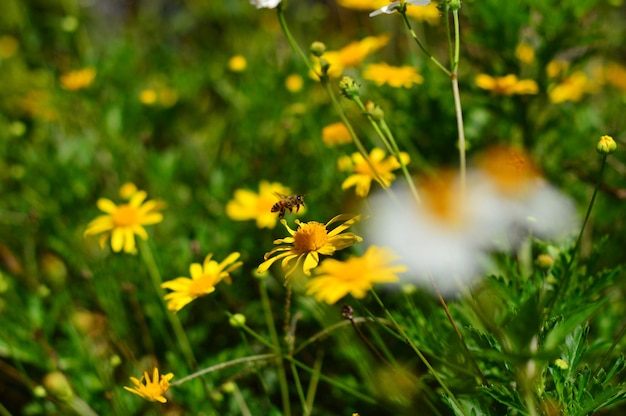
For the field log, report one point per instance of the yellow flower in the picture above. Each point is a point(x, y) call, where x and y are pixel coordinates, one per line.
point(309, 241)
point(336, 133)
point(525, 53)
point(615, 74)
point(394, 76)
point(556, 68)
point(154, 389)
point(128, 190)
point(8, 46)
point(78, 80)
point(363, 174)
point(237, 63)
point(204, 278)
point(247, 205)
point(124, 221)
point(294, 83)
point(353, 54)
point(428, 13)
point(571, 88)
point(507, 85)
point(335, 279)
point(148, 96)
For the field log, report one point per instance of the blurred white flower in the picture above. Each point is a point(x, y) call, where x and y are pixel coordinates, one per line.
point(265, 4)
point(447, 239)
point(393, 6)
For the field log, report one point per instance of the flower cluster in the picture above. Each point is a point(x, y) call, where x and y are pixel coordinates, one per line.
point(507, 85)
point(353, 54)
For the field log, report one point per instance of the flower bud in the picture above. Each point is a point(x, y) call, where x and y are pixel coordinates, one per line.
point(606, 145)
point(317, 48)
point(349, 88)
point(561, 364)
point(454, 4)
point(58, 386)
point(545, 261)
point(237, 320)
point(375, 111)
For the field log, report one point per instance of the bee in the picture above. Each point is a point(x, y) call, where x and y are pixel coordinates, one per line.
point(287, 203)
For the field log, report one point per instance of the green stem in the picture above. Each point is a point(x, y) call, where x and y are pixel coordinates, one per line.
point(382, 129)
point(419, 43)
point(179, 332)
point(306, 411)
point(271, 327)
point(457, 102)
point(561, 289)
point(260, 357)
point(418, 352)
point(331, 381)
point(291, 39)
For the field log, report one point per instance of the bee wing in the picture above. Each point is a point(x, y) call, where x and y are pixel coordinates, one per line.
point(279, 195)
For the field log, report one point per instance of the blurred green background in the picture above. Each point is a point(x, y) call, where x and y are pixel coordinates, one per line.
point(166, 112)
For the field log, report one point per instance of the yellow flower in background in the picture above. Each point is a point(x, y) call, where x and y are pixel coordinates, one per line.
point(309, 241)
point(363, 174)
point(121, 223)
point(525, 53)
point(572, 88)
point(204, 278)
point(247, 205)
point(428, 12)
point(394, 76)
point(127, 190)
point(78, 80)
point(8, 46)
point(556, 67)
point(507, 85)
point(294, 83)
point(353, 54)
point(335, 279)
point(148, 96)
point(615, 74)
point(336, 134)
point(153, 390)
point(237, 63)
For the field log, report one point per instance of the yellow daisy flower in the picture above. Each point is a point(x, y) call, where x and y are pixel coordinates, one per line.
point(394, 76)
point(153, 390)
point(247, 205)
point(335, 279)
point(204, 278)
point(123, 222)
point(309, 241)
point(507, 85)
point(572, 88)
point(363, 174)
point(335, 134)
point(78, 80)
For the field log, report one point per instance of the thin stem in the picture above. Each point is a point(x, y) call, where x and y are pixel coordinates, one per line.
point(332, 381)
point(317, 369)
point(566, 273)
point(305, 407)
point(418, 352)
point(419, 43)
point(610, 350)
point(179, 332)
point(458, 333)
point(271, 327)
point(457, 101)
point(291, 39)
point(253, 358)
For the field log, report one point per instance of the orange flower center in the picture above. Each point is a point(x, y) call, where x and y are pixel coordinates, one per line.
point(309, 237)
point(201, 286)
point(125, 216)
